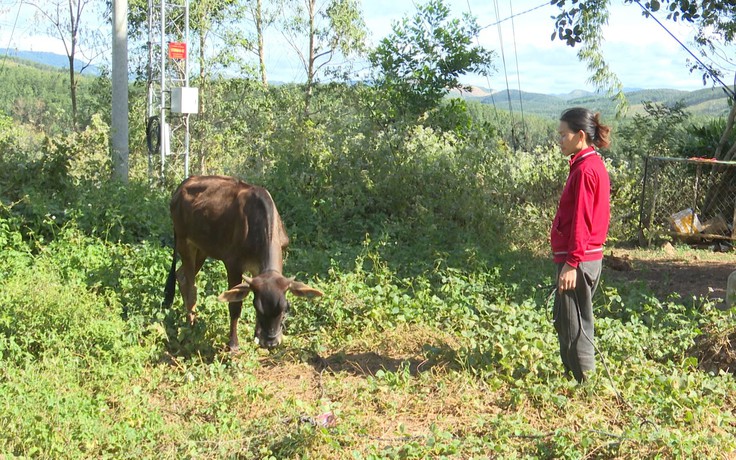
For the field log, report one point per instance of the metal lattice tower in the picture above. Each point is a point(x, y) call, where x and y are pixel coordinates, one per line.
point(168, 105)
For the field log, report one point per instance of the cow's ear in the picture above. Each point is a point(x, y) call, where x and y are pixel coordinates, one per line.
point(235, 294)
point(300, 289)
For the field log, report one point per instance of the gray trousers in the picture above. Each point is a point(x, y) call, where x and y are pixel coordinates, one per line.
point(573, 319)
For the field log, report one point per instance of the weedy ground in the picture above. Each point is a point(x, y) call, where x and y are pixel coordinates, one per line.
point(446, 362)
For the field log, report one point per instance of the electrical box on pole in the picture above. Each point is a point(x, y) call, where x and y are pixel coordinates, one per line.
point(184, 100)
point(170, 98)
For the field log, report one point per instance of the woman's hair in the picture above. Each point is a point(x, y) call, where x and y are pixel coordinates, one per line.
point(580, 118)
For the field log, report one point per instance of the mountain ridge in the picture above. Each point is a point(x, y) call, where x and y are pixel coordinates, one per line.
point(58, 61)
point(707, 101)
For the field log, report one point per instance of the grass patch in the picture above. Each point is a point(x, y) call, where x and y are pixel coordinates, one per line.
point(452, 361)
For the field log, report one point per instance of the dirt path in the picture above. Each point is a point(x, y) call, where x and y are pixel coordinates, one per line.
point(669, 269)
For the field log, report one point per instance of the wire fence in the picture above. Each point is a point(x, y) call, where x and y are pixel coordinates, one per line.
point(693, 199)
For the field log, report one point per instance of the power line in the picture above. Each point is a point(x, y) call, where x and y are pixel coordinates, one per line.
point(488, 79)
point(514, 15)
point(503, 60)
point(518, 71)
point(506, 75)
point(5, 58)
point(710, 71)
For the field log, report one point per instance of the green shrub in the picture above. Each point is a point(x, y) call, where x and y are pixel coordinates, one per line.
point(43, 313)
point(703, 137)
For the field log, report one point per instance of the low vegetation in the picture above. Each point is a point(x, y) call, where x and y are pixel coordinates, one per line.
point(456, 360)
point(423, 219)
point(433, 338)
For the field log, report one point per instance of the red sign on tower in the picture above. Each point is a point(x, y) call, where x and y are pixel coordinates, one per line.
point(177, 50)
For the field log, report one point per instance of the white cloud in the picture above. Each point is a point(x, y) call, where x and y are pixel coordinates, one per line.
point(379, 16)
point(636, 48)
point(20, 29)
point(33, 43)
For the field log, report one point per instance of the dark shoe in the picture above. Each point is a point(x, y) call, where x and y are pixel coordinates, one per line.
point(586, 378)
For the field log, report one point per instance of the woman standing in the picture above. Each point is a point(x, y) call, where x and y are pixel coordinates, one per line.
point(578, 232)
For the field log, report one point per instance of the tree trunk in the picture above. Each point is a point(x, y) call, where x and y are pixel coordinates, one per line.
point(202, 72)
point(261, 48)
point(73, 90)
point(310, 66)
point(721, 177)
point(202, 89)
point(74, 21)
point(728, 155)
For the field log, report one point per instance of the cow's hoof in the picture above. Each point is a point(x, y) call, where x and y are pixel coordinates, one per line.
point(233, 348)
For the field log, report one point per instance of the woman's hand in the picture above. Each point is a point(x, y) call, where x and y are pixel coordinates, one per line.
point(568, 278)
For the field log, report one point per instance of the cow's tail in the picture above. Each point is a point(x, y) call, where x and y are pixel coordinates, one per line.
point(170, 282)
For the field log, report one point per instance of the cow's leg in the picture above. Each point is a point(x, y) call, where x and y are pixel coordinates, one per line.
point(191, 261)
point(234, 277)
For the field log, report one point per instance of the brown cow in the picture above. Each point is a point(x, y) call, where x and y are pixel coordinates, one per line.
point(226, 219)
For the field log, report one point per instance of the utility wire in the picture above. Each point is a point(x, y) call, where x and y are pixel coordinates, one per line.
point(10, 40)
point(710, 71)
point(506, 75)
point(499, 21)
point(518, 72)
point(488, 79)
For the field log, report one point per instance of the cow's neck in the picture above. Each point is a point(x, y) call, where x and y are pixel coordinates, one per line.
point(274, 261)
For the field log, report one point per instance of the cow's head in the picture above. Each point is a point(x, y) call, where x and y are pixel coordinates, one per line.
point(269, 299)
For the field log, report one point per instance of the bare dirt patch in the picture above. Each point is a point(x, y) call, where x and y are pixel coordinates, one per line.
point(699, 273)
point(420, 394)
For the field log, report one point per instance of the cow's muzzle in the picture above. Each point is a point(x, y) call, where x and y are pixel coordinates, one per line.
point(266, 340)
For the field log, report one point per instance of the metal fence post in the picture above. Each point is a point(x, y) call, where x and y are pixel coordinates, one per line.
point(641, 202)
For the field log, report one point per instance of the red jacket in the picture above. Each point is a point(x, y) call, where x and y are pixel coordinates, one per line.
point(581, 223)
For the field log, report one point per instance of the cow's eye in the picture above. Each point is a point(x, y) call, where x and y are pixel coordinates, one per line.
point(257, 304)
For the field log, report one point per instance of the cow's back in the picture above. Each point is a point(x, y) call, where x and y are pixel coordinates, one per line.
point(227, 218)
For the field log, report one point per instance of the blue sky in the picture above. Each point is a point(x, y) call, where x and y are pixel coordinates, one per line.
point(637, 49)
point(641, 53)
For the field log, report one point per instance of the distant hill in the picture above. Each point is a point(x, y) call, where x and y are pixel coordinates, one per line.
point(475, 91)
point(708, 101)
point(38, 95)
point(575, 94)
point(48, 59)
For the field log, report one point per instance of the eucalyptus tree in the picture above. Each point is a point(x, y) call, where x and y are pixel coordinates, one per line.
point(247, 33)
point(262, 17)
point(261, 20)
point(581, 22)
point(422, 60)
point(334, 30)
point(210, 23)
point(72, 22)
